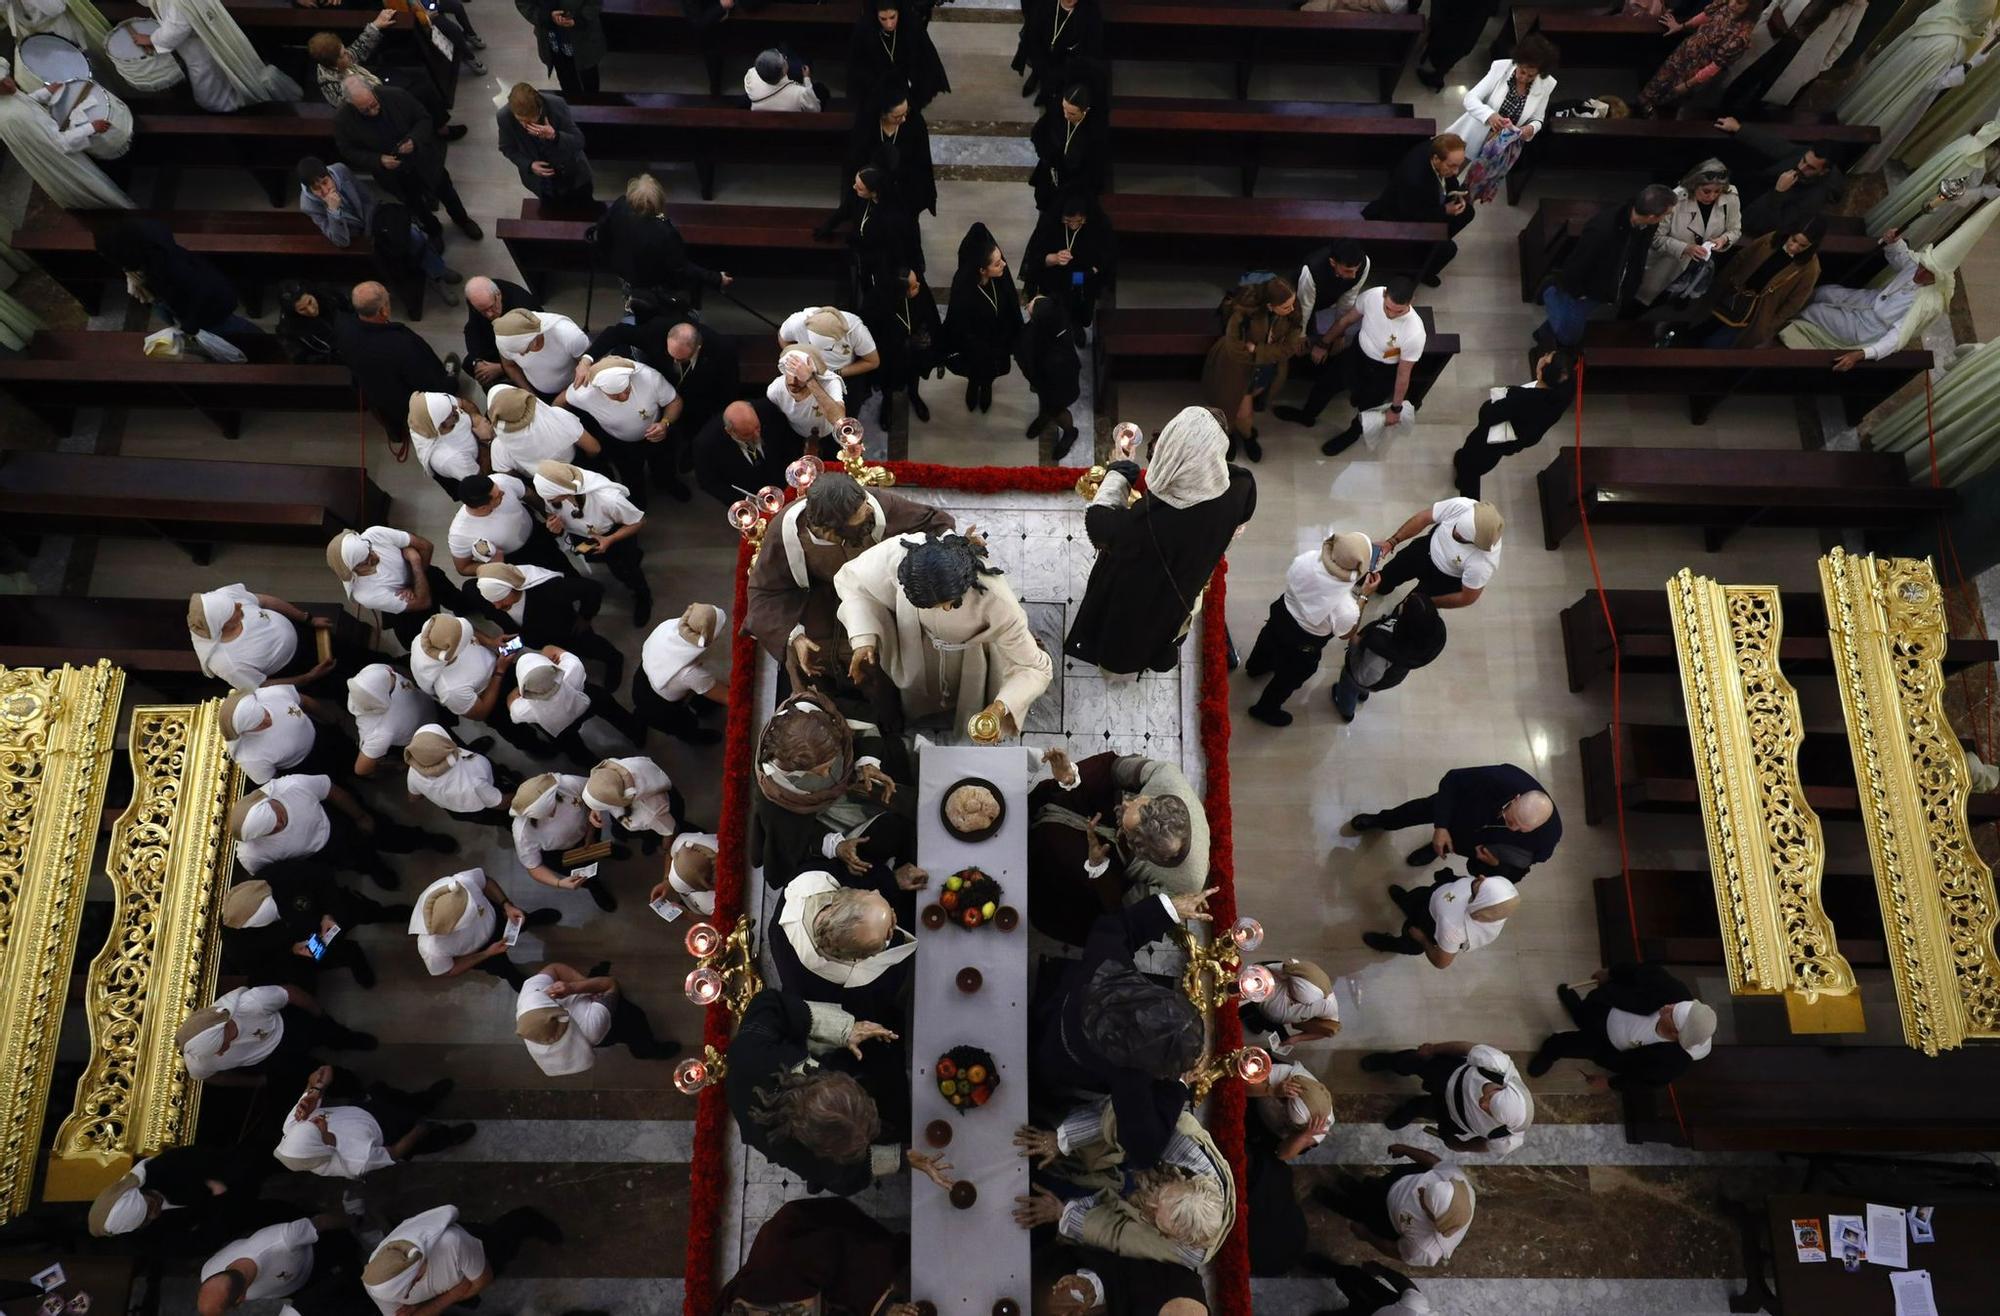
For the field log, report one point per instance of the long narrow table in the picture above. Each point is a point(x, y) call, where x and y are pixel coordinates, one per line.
point(965, 1261)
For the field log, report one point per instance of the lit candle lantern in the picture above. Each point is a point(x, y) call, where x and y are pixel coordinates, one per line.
point(771, 500)
point(1255, 982)
point(1253, 1064)
point(743, 516)
point(691, 1075)
point(703, 939)
point(1247, 933)
point(801, 473)
point(1125, 438)
point(704, 986)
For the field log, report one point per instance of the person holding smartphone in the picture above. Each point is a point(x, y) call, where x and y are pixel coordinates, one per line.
point(1426, 188)
point(292, 920)
point(461, 921)
point(1325, 589)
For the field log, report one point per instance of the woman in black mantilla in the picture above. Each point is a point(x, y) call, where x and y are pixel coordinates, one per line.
point(1154, 558)
point(884, 236)
point(1047, 353)
point(895, 138)
point(1072, 257)
point(984, 317)
point(1053, 32)
point(889, 42)
point(903, 316)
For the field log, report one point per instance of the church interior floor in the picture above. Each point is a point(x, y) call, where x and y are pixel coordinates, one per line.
point(1578, 1221)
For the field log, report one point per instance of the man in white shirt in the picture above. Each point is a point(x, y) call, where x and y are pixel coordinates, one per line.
point(389, 571)
point(449, 435)
point(272, 1030)
point(1451, 916)
point(1377, 365)
point(460, 923)
point(551, 818)
point(1294, 1107)
point(562, 1017)
point(431, 1262)
point(1459, 554)
point(633, 406)
point(596, 517)
point(1325, 589)
point(1639, 1022)
point(1474, 1096)
point(539, 350)
point(1417, 1213)
point(275, 729)
point(458, 780)
point(528, 431)
point(808, 392)
point(636, 793)
point(1300, 1009)
point(499, 520)
point(287, 818)
point(674, 686)
point(690, 879)
point(387, 709)
point(278, 1261)
point(556, 695)
point(342, 1129)
point(465, 671)
point(843, 342)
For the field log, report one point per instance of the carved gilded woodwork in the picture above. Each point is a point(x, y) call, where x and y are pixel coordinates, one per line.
point(169, 865)
point(1886, 618)
point(56, 729)
point(1766, 852)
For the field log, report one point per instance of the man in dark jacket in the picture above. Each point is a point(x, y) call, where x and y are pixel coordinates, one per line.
point(486, 300)
point(569, 37)
point(389, 361)
point(745, 446)
point(266, 921)
point(1603, 268)
point(1498, 817)
point(1424, 188)
point(188, 290)
point(387, 132)
point(1792, 187)
point(542, 141)
point(1527, 410)
point(1640, 1022)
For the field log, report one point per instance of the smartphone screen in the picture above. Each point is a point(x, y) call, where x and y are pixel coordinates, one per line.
point(513, 933)
point(512, 646)
point(316, 946)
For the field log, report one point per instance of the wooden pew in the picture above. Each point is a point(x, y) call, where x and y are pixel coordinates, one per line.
point(1248, 36)
point(1620, 358)
point(817, 33)
point(146, 637)
point(1646, 637)
point(1261, 233)
point(1659, 775)
point(1592, 39)
point(1663, 149)
point(1848, 255)
point(63, 370)
point(759, 240)
point(1678, 924)
point(1253, 134)
point(1723, 490)
point(705, 131)
point(257, 248)
point(191, 503)
point(269, 140)
point(280, 30)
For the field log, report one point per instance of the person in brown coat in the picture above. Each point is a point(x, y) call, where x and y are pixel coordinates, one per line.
point(1263, 332)
point(1770, 281)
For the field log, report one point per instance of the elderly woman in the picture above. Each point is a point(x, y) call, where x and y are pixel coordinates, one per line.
point(1154, 557)
point(247, 639)
point(807, 1095)
point(842, 945)
point(1707, 219)
point(1768, 283)
point(1451, 916)
point(1179, 1210)
point(1717, 38)
point(1265, 329)
point(1503, 112)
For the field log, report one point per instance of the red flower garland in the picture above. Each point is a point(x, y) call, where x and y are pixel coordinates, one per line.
point(1232, 1265)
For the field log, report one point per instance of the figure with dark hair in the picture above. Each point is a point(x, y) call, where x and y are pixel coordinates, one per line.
point(984, 317)
point(884, 237)
point(1054, 32)
point(539, 138)
point(1047, 351)
point(1515, 419)
point(1387, 650)
point(1072, 256)
point(343, 209)
point(1454, 29)
point(1109, 830)
point(569, 38)
point(891, 134)
point(903, 317)
point(500, 519)
point(1330, 281)
point(945, 628)
point(1791, 186)
point(1379, 363)
point(189, 292)
point(307, 314)
point(1602, 271)
point(1758, 293)
point(1263, 329)
point(890, 42)
point(1503, 112)
point(1072, 150)
point(827, 795)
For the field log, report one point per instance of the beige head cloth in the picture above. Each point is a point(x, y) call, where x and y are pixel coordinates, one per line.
point(1346, 555)
point(612, 783)
point(1485, 525)
point(511, 408)
point(445, 908)
point(389, 1261)
point(442, 637)
point(243, 902)
point(543, 1025)
point(429, 754)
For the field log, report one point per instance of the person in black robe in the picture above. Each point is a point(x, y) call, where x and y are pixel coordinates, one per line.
point(639, 244)
point(554, 611)
point(884, 237)
point(744, 447)
point(1425, 187)
point(1054, 32)
point(821, 1254)
point(886, 46)
point(1455, 26)
point(1154, 558)
point(1072, 257)
point(1072, 149)
point(983, 319)
point(1133, 1286)
point(894, 136)
point(1047, 353)
point(308, 896)
point(909, 333)
point(1528, 411)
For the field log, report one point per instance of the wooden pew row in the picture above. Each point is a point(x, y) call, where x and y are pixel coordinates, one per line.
point(706, 131)
point(191, 503)
point(1253, 134)
point(1659, 775)
point(1267, 233)
point(1663, 149)
point(1592, 40)
point(1620, 358)
point(1848, 255)
point(257, 248)
point(1646, 637)
point(269, 140)
point(1678, 923)
point(1246, 38)
point(760, 240)
point(817, 33)
point(146, 637)
point(1724, 490)
point(63, 370)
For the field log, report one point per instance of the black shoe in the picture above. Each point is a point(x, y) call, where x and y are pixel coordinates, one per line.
point(1365, 822)
point(1435, 81)
point(986, 396)
point(541, 918)
point(1400, 1117)
point(451, 132)
point(1420, 856)
point(453, 1135)
point(663, 1048)
point(1384, 942)
point(364, 972)
point(470, 227)
point(1542, 1063)
point(1296, 415)
point(396, 914)
point(642, 609)
point(601, 894)
point(1034, 428)
point(439, 843)
point(1342, 441)
point(353, 1039)
point(381, 876)
point(1375, 1062)
point(1326, 1197)
point(972, 395)
point(437, 1092)
point(1398, 893)
point(1276, 717)
point(481, 745)
point(919, 408)
point(1064, 442)
point(1253, 449)
point(1433, 281)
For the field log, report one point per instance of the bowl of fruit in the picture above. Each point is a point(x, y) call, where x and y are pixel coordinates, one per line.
point(970, 898)
point(966, 1077)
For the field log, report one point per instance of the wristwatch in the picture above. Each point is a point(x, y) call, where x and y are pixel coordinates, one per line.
point(1396, 407)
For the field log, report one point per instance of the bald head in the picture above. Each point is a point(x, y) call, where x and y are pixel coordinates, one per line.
point(854, 925)
point(360, 94)
point(1527, 811)
point(682, 341)
point(483, 296)
point(741, 422)
point(371, 301)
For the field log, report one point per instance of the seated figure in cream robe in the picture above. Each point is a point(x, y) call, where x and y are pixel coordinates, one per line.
point(946, 629)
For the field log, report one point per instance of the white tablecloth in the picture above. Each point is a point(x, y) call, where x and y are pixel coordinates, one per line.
point(965, 1261)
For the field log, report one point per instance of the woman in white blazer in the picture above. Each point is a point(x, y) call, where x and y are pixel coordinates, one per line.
point(1706, 220)
point(1514, 94)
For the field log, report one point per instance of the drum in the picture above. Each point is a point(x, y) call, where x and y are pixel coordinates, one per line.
point(52, 58)
point(142, 70)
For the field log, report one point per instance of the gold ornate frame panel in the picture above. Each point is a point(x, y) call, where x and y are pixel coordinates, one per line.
point(56, 730)
point(1766, 852)
point(1886, 618)
point(169, 866)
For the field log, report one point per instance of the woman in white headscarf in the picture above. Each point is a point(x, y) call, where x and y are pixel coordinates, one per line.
point(450, 436)
point(224, 70)
point(1154, 557)
point(72, 180)
point(247, 639)
point(387, 708)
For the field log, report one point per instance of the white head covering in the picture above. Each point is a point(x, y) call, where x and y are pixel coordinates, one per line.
point(121, 1207)
point(354, 550)
point(392, 1269)
point(555, 479)
point(427, 640)
point(1189, 463)
point(1300, 998)
point(438, 407)
point(1492, 891)
point(537, 797)
point(259, 821)
point(247, 714)
point(370, 689)
point(809, 355)
point(818, 320)
point(516, 329)
point(420, 915)
point(1695, 1022)
point(301, 1147)
point(666, 651)
point(216, 607)
point(611, 375)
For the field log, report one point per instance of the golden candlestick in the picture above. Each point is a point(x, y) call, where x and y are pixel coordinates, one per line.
point(697, 1072)
point(1252, 1064)
point(852, 440)
point(726, 975)
point(1211, 970)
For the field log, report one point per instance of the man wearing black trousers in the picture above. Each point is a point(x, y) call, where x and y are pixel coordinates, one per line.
point(1640, 1022)
point(1526, 411)
point(1498, 817)
point(1424, 188)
